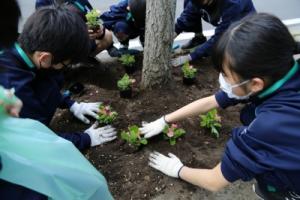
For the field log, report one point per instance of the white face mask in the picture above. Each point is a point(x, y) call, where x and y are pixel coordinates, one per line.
point(228, 88)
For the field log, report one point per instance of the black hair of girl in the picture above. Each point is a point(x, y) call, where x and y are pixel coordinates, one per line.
point(138, 11)
point(260, 45)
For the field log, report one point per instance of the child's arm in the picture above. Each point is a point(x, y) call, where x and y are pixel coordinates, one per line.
point(210, 179)
point(195, 108)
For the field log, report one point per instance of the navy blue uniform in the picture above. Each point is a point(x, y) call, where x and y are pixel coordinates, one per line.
point(119, 19)
point(267, 146)
point(220, 14)
point(39, 90)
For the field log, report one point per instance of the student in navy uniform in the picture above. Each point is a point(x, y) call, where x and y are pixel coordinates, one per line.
point(101, 40)
point(126, 20)
point(51, 40)
point(219, 13)
point(256, 65)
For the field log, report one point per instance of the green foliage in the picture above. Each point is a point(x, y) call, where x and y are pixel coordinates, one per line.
point(133, 136)
point(188, 70)
point(92, 18)
point(127, 60)
point(172, 132)
point(211, 121)
point(106, 115)
point(125, 82)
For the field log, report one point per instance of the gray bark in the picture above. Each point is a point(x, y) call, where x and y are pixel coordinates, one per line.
point(159, 32)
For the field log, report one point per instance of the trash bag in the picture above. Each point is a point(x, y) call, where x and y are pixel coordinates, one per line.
point(36, 158)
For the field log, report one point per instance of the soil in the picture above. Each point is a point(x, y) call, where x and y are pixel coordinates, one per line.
point(128, 174)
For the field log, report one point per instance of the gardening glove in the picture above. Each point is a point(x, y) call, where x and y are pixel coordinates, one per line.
point(101, 135)
point(169, 165)
point(153, 128)
point(175, 62)
point(79, 110)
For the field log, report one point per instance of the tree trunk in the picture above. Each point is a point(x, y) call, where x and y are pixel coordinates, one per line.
point(159, 32)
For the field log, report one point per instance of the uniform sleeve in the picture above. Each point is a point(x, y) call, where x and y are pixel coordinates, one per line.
point(224, 101)
point(230, 15)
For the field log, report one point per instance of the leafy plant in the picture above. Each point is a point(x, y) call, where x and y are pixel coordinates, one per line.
point(127, 59)
point(106, 115)
point(125, 83)
point(212, 121)
point(133, 136)
point(188, 70)
point(93, 18)
point(172, 132)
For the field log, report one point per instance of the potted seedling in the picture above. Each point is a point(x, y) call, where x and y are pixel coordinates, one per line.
point(189, 74)
point(133, 138)
point(125, 86)
point(128, 61)
point(211, 121)
point(93, 20)
point(106, 115)
point(173, 132)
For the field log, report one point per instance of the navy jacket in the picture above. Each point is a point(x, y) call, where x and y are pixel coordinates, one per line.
point(39, 91)
point(268, 148)
point(119, 13)
point(221, 14)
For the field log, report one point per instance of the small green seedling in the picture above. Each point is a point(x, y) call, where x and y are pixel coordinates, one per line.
point(211, 121)
point(188, 70)
point(106, 115)
point(133, 136)
point(127, 60)
point(93, 19)
point(125, 83)
point(172, 132)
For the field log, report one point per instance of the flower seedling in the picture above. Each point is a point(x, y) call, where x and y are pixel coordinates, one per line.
point(211, 121)
point(129, 62)
point(93, 19)
point(173, 132)
point(133, 136)
point(189, 73)
point(124, 85)
point(106, 115)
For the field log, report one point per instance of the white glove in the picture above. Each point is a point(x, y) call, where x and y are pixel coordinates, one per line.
point(79, 110)
point(170, 166)
point(101, 135)
point(180, 60)
point(153, 128)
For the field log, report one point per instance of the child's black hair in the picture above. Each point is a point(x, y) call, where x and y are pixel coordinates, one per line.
point(57, 30)
point(260, 45)
point(9, 18)
point(138, 11)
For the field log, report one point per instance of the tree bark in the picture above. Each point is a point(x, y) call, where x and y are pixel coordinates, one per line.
point(160, 16)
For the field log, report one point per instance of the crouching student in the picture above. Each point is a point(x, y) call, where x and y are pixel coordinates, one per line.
point(215, 12)
point(99, 40)
point(256, 65)
point(51, 40)
point(127, 21)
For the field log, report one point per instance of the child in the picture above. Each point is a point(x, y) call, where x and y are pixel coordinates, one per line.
point(100, 40)
point(256, 65)
point(126, 20)
point(217, 13)
point(51, 40)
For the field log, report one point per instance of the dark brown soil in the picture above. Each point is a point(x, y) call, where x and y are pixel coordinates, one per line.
point(128, 174)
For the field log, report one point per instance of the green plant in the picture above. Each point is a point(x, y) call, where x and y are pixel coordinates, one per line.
point(125, 82)
point(127, 59)
point(172, 132)
point(188, 70)
point(106, 115)
point(212, 121)
point(92, 18)
point(133, 136)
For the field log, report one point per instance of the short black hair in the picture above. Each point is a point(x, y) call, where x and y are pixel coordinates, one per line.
point(138, 11)
point(260, 45)
point(9, 18)
point(57, 30)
